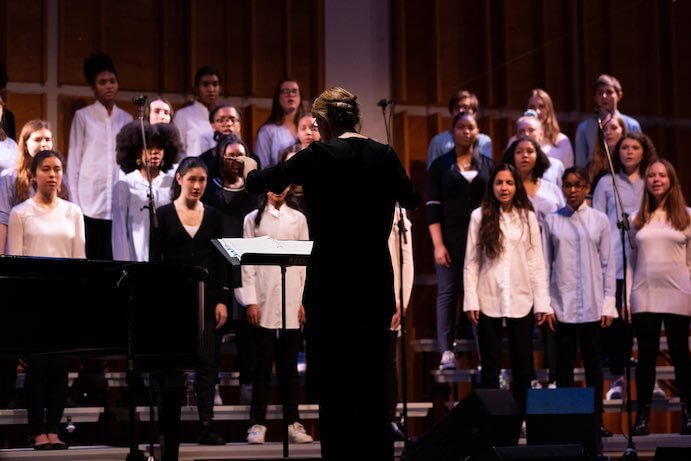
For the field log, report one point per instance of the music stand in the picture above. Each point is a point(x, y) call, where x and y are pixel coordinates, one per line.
point(265, 251)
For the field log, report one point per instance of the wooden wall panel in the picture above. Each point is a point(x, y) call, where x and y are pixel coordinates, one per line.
point(173, 39)
point(133, 42)
point(25, 107)
point(80, 35)
point(269, 45)
point(24, 28)
point(208, 24)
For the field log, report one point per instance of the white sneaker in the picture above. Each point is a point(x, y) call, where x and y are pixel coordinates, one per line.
point(448, 361)
point(552, 385)
point(658, 393)
point(256, 434)
point(297, 434)
point(616, 390)
point(535, 384)
point(217, 396)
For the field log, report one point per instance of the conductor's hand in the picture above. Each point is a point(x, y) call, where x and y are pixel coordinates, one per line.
point(248, 164)
point(253, 314)
point(473, 316)
point(396, 318)
point(546, 318)
point(221, 315)
point(606, 321)
point(441, 256)
point(302, 318)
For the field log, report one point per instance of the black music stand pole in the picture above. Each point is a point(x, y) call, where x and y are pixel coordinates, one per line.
point(135, 454)
point(624, 226)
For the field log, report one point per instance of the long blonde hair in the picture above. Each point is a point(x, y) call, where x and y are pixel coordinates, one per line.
point(550, 126)
point(22, 186)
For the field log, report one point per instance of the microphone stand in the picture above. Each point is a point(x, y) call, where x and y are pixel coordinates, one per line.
point(624, 226)
point(402, 238)
point(140, 102)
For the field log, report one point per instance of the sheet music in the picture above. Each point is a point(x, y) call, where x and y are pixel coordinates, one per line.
point(246, 249)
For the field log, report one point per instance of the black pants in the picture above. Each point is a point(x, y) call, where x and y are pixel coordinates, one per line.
point(568, 337)
point(206, 373)
point(520, 330)
point(617, 340)
point(168, 386)
point(282, 347)
point(647, 326)
point(392, 376)
point(46, 390)
point(98, 238)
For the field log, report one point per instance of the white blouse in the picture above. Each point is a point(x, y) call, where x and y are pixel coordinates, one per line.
point(195, 129)
point(54, 233)
point(513, 282)
point(130, 235)
point(661, 264)
point(262, 284)
point(92, 169)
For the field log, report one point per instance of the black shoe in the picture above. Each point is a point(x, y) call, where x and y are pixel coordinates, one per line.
point(604, 432)
point(44, 446)
point(640, 427)
point(207, 436)
point(58, 446)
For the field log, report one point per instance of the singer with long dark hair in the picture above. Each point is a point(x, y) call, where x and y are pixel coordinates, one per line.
point(504, 278)
point(186, 227)
point(347, 275)
point(661, 288)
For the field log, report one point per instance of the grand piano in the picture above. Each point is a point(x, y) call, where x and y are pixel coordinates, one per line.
point(86, 308)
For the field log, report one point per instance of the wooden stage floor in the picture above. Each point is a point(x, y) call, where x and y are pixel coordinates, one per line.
point(614, 447)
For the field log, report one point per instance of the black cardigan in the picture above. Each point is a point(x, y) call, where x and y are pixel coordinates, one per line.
point(172, 244)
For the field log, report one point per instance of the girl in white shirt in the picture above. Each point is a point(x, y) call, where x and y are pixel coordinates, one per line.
point(661, 288)
point(92, 169)
point(504, 278)
point(131, 220)
point(48, 226)
point(261, 293)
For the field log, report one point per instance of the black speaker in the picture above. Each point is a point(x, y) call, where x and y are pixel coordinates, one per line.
point(541, 453)
point(481, 421)
point(672, 454)
point(562, 416)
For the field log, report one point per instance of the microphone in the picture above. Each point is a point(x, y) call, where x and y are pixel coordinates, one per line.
point(383, 103)
point(596, 114)
point(140, 100)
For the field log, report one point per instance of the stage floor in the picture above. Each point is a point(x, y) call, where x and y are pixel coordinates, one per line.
point(613, 446)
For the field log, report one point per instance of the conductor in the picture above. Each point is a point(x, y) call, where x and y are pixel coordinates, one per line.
point(350, 185)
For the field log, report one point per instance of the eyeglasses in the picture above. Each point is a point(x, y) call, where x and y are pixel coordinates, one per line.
point(232, 120)
point(288, 91)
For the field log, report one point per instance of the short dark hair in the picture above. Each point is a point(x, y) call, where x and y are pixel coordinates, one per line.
point(578, 171)
point(95, 64)
point(463, 94)
point(203, 71)
point(223, 105)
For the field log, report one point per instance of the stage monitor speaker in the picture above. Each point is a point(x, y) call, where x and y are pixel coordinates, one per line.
point(562, 416)
point(481, 421)
point(672, 454)
point(541, 453)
